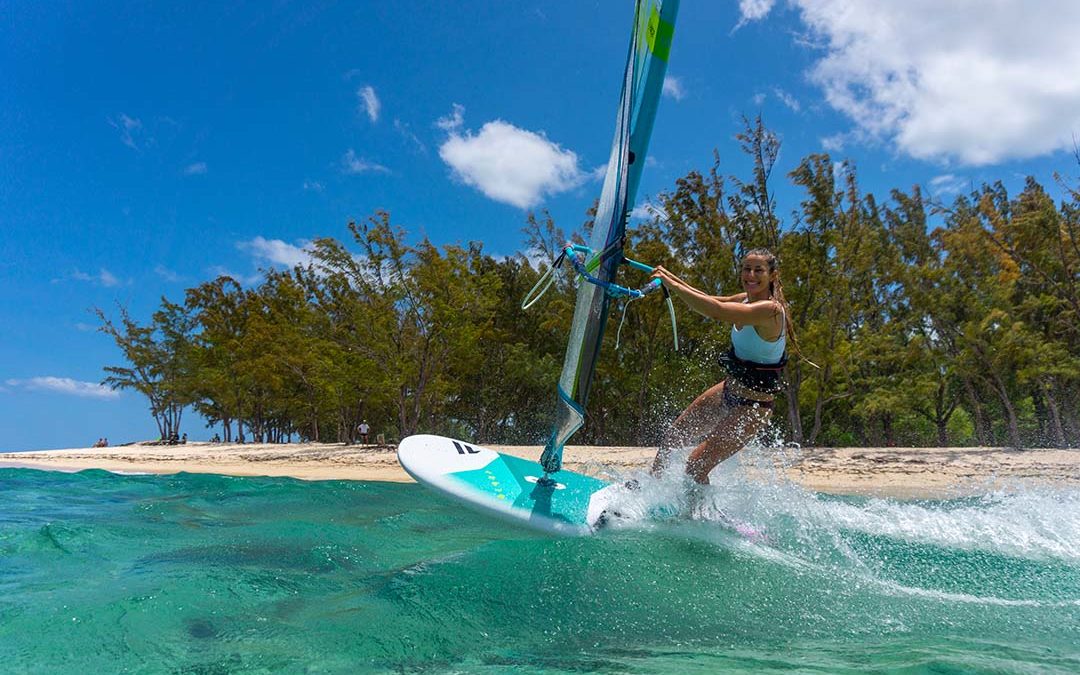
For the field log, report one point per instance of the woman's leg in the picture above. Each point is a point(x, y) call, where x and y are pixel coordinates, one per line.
point(699, 418)
point(735, 429)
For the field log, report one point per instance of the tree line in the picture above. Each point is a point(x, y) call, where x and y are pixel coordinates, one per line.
point(921, 323)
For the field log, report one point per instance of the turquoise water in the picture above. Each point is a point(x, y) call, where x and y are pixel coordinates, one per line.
point(212, 574)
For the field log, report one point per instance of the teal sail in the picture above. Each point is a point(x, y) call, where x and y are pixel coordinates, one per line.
point(643, 81)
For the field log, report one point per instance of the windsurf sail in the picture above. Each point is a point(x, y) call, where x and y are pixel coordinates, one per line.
point(643, 82)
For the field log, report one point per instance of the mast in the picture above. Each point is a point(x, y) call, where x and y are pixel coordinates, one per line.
point(643, 81)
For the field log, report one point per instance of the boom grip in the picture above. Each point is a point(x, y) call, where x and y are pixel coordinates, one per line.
point(653, 285)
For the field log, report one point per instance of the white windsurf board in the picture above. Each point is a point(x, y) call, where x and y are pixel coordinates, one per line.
point(505, 486)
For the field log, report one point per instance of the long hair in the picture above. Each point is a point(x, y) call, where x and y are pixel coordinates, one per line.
point(776, 292)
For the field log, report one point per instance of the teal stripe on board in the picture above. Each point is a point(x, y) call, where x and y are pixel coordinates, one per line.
point(507, 478)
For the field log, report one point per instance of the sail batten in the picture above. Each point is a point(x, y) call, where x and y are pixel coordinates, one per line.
point(643, 79)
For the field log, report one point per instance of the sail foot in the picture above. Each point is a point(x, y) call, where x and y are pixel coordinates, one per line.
point(569, 418)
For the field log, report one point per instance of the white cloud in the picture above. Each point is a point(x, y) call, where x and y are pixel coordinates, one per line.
point(244, 280)
point(962, 81)
point(752, 10)
point(648, 211)
point(369, 102)
point(313, 186)
point(508, 164)
point(673, 87)
point(131, 130)
point(454, 120)
point(102, 278)
point(167, 274)
point(406, 133)
point(276, 251)
point(599, 172)
point(354, 164)
point(834, 143)
point(840, 170)
point(787, 99)
point(195, 169)
point(947, 184)
point(535, 259)
point(65, 385)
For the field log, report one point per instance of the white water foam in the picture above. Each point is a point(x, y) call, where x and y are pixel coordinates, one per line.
point(1038, 525)
point(1026, 522)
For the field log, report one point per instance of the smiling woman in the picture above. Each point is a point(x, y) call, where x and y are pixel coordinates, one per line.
point(728, 415)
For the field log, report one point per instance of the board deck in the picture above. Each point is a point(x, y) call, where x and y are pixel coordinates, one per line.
point(504, 485)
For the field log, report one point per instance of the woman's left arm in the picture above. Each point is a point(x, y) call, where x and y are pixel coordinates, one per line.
point(722, 308)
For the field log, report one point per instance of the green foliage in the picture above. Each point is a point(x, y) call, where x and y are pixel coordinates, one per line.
point(161, 358)
point(967, 332)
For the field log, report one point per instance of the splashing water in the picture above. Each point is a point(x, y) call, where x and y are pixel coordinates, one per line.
point(195, 573)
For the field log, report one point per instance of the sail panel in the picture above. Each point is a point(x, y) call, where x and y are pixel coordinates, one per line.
point(643, 81)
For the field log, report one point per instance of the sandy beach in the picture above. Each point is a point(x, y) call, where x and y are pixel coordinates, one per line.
point(909, 473)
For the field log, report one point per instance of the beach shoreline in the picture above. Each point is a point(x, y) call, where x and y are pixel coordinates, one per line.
point(902, 473)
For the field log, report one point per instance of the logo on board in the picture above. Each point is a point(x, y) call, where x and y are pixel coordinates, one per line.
point(463, 449)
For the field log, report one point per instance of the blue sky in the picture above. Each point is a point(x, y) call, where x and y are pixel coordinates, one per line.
point(147, 147)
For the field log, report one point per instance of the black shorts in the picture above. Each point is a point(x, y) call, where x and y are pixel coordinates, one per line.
point(734, 400)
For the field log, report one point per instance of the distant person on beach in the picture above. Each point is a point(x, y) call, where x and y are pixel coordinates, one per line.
point(183, 439)
point(364, 430)
point(727, 416)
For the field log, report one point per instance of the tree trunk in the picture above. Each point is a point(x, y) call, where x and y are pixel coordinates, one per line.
point(176, 414)
point(941, 415)
point(1070, 420)
point(861, 432)
point(887, 428)
point(794, 416)
point(819, 405)
point(1010, 410)
point(982, 426)
point(643, 424)
point(407, 410)
point(1047, 385)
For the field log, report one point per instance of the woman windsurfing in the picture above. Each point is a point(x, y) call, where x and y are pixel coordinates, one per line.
point(727, 416)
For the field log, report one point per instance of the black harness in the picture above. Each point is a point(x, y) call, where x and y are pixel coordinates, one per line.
point(765, 378)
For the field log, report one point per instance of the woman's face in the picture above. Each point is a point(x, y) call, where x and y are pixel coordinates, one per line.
point(755, 275)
